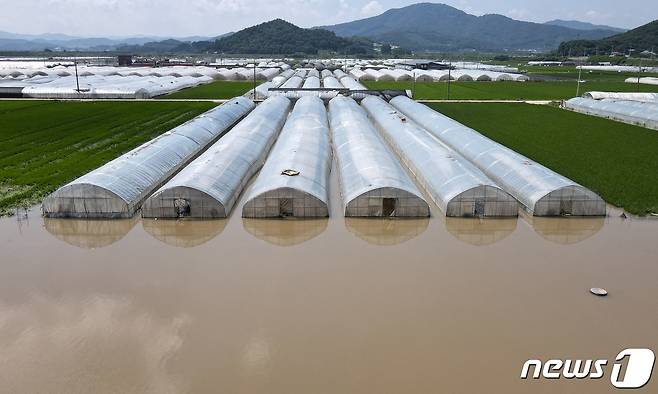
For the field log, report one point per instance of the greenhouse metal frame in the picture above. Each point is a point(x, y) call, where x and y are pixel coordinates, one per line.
point(456, 186)
point(540, 190)
point(294, 182)
point(118, 188)
point(209, 187)
point(372, 181)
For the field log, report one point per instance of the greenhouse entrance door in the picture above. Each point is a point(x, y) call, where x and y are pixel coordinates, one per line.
point(388, 206)
point(285, 207)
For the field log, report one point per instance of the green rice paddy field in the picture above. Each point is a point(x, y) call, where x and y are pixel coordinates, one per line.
point(508, 90)
point(44, 144)
point(214, 90)
point(616, 160)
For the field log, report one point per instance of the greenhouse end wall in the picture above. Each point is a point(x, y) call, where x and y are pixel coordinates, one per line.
point(294, 181)
point(372, 181)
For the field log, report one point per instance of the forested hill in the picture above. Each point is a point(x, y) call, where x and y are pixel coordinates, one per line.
point(643, 38)
point(281, 37)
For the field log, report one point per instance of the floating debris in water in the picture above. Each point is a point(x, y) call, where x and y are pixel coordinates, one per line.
point(598, 291)
point(290, 172)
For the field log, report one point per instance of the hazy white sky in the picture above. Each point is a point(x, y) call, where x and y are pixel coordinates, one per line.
point(212, 17)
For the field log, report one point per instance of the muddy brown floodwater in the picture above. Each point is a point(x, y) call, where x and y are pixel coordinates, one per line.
point(320, 306)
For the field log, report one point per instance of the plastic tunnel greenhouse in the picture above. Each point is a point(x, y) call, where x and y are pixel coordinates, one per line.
point(332, 83)
point(118, 188)
point(456, 186)
point(644, 114)
point(294, 180)
point(372, 181)
point(629, 96)
point(542, 191)
point(209, 186)
point(352, 84)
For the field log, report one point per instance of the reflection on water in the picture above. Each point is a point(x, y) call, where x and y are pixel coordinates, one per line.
point(89, 234)
point(256, 354)
point(129, 318)
point(565, 230)
point(480, 232)
point(386, 231)
point(87, 345)
point(184, 233)
point(285, 232)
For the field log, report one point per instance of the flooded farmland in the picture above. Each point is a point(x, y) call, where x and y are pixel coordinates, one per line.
point(320, 306)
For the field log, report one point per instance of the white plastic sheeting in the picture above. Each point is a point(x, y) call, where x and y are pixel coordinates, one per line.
point(456, 186)
point(360, 75)
point(629, 96)
point(619, 68)
point(339, 74)
point(267, 74)
point(294, 181)
point(287, 73)
point(377, 75)
point(396, 75)
point(434, 75)
point(422, 75)
point(118, 188)
point(311, 82)
point(372, 181)
point(109, 87)
point(541, 191)
point(262, 90)
point(351, 84)
point(294, 82)
point(475, 75)
point(301, 73)
point(644, 80)
point(332, 83)
point(228, 75)
point(210, 185)
point(644, 114)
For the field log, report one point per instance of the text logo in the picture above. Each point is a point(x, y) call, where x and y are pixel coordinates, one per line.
point(631, 368)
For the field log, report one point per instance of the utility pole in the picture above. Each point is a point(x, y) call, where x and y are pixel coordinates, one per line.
point(449, 78)
point(77, 82)
point(413, 86)
point(580, 70)
point(254, 79)
point(639, 72)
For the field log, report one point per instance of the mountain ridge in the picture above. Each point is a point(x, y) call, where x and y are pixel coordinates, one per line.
point(642, 38)
point(37, 42)
point(433, 26)
point(579, 25)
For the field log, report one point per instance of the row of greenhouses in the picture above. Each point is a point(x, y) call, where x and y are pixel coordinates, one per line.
point(642, 113)
point(389, 157)
point(387, 74)
point(301, 83)
point(128, 83)
point(111, 87)
point(227, 74)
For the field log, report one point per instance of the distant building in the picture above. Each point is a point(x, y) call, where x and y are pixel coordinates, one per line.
point(411, 64)
point(125, 60)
